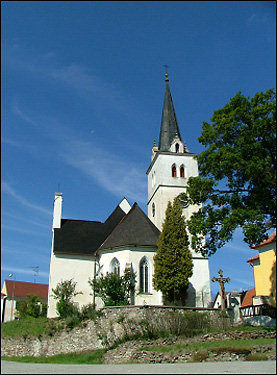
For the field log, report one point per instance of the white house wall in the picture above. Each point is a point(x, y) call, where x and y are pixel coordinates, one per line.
point(9, 310)
point(77, 267)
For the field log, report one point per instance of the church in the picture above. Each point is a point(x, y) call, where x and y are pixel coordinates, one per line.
point(82, 250)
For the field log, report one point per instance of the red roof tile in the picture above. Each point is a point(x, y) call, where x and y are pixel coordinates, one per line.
point(247, 300)
point(22, 288)
point(271, 238)
point(256, 257)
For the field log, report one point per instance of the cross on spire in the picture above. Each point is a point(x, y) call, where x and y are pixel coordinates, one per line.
point(166, 72)
point(222, 280)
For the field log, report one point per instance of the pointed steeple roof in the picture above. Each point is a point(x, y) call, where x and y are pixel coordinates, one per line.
point(169, 125)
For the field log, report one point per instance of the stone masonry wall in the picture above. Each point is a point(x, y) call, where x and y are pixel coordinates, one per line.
point(113, 325)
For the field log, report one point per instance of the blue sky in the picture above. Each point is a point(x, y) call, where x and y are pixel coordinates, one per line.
point(82, 94)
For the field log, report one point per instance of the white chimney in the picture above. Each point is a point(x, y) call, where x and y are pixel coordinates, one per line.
point(57, 212)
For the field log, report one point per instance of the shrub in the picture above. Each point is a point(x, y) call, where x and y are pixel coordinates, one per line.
point(200, 356)
point(113, 289)
point(31, 307)
point(88, 312)
point(66, 308)
point(64, 292)
point(256, 357)
point(72, 321)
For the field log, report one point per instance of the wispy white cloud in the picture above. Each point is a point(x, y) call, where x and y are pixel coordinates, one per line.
point(257, 18)
point(27, 251)
point(25, 220)
point(113, 173)
point(81, 80)
point(121, 177)
point(244, 282)
point(21, 230)
point(239, 248)
point(16, 110)
point(251, 19)
point(10, 142)
point(7, 189)
point(23, 271)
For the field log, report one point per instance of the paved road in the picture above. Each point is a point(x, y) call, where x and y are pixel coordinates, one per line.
point(236, 367)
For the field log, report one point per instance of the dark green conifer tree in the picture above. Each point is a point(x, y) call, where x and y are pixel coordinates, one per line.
point(173, 261)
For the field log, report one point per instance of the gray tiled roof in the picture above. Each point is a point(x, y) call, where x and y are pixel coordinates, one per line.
point(84, 237)
point(135, 229)
point(169, 125)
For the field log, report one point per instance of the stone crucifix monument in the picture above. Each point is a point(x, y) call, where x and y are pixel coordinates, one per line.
point(222, 280)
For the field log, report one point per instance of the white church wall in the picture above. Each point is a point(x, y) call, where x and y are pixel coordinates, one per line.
point(166, 187)
point(133, 256)
point(65, 267)
point(200, 281)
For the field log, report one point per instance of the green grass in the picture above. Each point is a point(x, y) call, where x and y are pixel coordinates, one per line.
point(230, 345)
point(24, 327)
point(87, 357)
point(252, 328)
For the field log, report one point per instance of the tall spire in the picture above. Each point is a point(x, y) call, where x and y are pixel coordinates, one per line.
point(169, 125)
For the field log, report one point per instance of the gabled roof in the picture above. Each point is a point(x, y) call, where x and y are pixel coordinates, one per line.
point(135, 229)
point(84, 237)
point(271, 238)
point(22, 288)
point(169, 125)
point(247, 300)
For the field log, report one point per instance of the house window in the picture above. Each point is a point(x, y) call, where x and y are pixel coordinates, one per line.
point(177, 147)
point(144, 276)
point(153, 209)
point(115, 266)
point(182, 171)
point(173, 171)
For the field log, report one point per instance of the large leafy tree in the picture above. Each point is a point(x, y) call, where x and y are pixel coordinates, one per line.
point(173, 261)
point(236, 186)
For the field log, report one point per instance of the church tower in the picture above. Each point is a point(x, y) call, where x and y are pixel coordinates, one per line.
point(171, 166)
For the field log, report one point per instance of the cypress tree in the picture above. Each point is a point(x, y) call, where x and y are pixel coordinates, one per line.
point(173, 260)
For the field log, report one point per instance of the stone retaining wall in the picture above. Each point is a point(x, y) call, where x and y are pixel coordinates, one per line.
point(115, 323)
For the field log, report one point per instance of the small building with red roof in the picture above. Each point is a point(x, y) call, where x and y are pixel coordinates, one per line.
point(14, 291)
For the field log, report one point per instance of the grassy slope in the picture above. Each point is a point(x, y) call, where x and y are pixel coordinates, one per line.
point(232, 345)
point(24, 327)
point(88, 357)
point(37, 327)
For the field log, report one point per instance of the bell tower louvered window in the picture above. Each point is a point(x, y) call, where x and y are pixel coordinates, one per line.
point(173, 171)
point(182, 171)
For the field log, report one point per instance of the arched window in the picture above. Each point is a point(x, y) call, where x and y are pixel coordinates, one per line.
point(182, 171)
point(115, 266)
point(177, 147)
point(144, 273)
point(173, 171)
point(153, 209)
